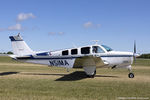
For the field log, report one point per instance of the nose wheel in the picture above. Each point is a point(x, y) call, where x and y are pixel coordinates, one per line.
point(131, 75)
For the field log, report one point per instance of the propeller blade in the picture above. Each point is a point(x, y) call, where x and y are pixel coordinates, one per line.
point(134, 54)
point(134, 47)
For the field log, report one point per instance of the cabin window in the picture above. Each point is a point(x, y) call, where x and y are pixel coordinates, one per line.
point(97, 49)
point(85, 50)
point(74, 51)
point(65, 52)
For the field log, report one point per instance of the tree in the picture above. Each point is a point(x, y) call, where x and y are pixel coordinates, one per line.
point(145, 56)
point(9, 52)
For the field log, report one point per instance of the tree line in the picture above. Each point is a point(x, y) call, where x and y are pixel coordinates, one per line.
point(146, 56)
point(9, 52)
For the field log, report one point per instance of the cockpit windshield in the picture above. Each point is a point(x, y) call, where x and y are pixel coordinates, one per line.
point(107, 48)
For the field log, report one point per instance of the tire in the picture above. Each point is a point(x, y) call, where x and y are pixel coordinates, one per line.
point(92, 76)
point(131, 75)
point(94, 72)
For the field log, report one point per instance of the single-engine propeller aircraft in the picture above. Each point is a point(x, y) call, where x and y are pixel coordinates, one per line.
point(87, 57)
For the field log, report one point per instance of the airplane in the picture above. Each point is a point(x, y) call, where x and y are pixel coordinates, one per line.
point(88, 57)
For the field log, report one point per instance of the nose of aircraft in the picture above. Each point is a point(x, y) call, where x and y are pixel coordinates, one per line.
point(130, 56)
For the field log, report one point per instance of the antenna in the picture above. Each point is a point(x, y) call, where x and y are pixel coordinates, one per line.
point(96, 41)
point(18, 34)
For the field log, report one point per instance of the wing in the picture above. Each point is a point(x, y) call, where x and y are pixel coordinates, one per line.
point(88, 61)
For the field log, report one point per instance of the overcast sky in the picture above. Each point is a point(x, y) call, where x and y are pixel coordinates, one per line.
point(57, 24)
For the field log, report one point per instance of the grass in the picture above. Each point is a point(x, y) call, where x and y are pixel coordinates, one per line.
point(142, 62)
point(21, 81)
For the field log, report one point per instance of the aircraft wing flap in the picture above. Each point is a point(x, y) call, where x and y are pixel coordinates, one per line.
point(88, 61)
point(99, 62)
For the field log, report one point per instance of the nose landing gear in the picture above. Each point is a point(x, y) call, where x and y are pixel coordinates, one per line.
point(130, 75)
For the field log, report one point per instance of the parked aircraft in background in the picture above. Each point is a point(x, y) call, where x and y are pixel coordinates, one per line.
point(88, 57)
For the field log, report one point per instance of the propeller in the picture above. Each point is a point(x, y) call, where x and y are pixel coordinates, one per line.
point(134, 54)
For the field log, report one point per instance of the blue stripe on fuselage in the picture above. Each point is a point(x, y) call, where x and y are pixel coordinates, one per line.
point(117, 56)
point(42, 58)
point(42, 54)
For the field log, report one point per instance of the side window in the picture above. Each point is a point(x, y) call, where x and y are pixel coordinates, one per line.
point(74, 51)
point(97, 49)
point(65, 52)
point(85, 50)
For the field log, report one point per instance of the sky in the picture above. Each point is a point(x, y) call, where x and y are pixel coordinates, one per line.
point(57, 24)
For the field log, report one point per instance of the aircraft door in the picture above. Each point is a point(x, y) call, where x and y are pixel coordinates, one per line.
point(97, 49)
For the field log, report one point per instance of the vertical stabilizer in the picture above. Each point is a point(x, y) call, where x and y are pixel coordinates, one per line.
point(20, 48)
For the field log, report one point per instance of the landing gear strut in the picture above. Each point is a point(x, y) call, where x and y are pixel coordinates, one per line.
point(130, 75)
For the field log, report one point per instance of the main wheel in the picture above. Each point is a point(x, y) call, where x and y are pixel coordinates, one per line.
point(131, 75)
point(92, 76)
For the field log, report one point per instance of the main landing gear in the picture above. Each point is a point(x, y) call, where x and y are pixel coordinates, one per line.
point(90, 71)
point(92, 76)
point(130, 75)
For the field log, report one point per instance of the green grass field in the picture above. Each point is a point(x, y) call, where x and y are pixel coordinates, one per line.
point(22, 81)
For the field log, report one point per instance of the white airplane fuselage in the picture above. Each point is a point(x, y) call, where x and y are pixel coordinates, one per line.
point(55, 58)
